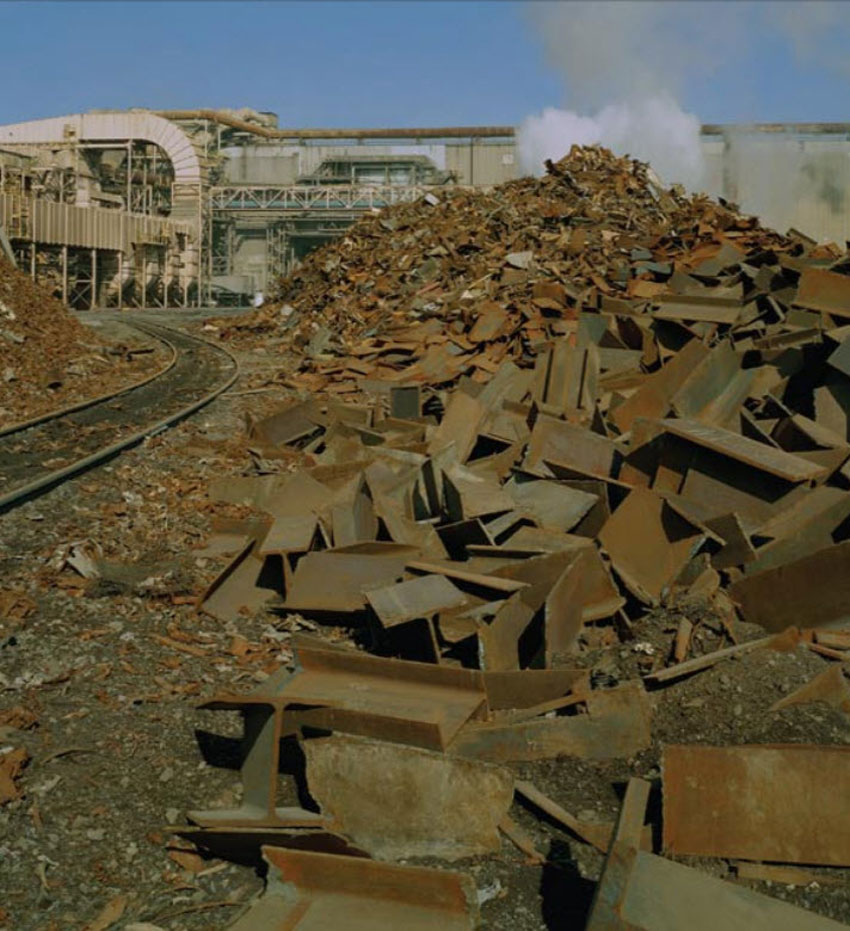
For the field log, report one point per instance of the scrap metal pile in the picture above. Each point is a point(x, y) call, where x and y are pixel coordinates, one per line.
point(47, 358)
point(636, 405)
point(458, 283)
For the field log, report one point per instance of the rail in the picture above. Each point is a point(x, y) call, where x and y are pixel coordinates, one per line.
point(45, 480)
point(59, 412)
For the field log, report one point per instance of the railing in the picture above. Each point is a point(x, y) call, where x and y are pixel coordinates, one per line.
point(301, 197)
point(49, 222)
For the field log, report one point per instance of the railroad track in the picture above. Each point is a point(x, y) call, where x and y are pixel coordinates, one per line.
point(40, 454)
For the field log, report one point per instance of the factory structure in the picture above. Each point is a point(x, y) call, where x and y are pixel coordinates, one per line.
point(191, 208)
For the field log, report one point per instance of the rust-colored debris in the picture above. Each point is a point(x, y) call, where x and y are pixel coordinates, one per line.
point(49, 359)
point(13, 761)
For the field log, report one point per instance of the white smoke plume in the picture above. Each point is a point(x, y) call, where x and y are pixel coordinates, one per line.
point(624, 65)
point(627, 66)
point(654, 129)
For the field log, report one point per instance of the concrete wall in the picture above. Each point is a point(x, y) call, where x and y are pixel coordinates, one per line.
point(787, 180)
point(261, 165)
point(483, 162)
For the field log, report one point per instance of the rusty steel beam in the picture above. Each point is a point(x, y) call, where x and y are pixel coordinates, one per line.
point(312, 891)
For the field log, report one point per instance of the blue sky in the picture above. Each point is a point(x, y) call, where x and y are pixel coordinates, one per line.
point(398, 62)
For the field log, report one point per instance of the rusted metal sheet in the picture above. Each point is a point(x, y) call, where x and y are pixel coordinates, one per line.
point(617, 725)
point(570, 380)
point(562, 619)
point(242, 587)
point(721, 486)
point(406, 402)
point(829, 687)
point(318, 892)
point(489, 323)
point(464, 576)
point(773, 461)
point(695, 307)
point(460, 425)
point(738, 548)
point(416, 598)
point(553, 506)
point(530, 687)
point(343, 690)
point(810, 592)
point(354, 522)
point(571, 587)
point(572, 447)
point(290, 425)
point(649, 544)
point(457, 537)
point(599, 595)
point(397, 801)
point(290, 535)
point(820, 289)
point(778, 803)
point(278, 495)
point(468, 495)
point(640, 890)
point(498, 641)
point(652, 399)
point(418, 535)
point(352, 574)
point(804, 527)
point(716, 388)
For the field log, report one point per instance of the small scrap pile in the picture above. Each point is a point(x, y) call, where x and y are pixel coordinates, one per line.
point(665, 431)
point(49, 359)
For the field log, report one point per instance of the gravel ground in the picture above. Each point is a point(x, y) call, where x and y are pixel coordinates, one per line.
point(100, 679)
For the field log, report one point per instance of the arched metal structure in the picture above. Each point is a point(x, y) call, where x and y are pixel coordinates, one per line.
point(91, 251)
point(121, 126)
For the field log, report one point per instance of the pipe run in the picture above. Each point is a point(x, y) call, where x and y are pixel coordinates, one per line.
point(439, 132)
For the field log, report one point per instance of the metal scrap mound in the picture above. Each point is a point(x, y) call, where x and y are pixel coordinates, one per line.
point(462, 279)
point(48, 358)
point(571, 405)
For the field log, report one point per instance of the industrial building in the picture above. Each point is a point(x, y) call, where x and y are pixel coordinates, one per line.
point(207, 207)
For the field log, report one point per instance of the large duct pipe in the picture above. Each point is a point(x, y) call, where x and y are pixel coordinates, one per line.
point(440, 132)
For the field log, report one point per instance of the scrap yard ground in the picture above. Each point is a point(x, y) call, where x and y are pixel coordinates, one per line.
point(512, 568)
